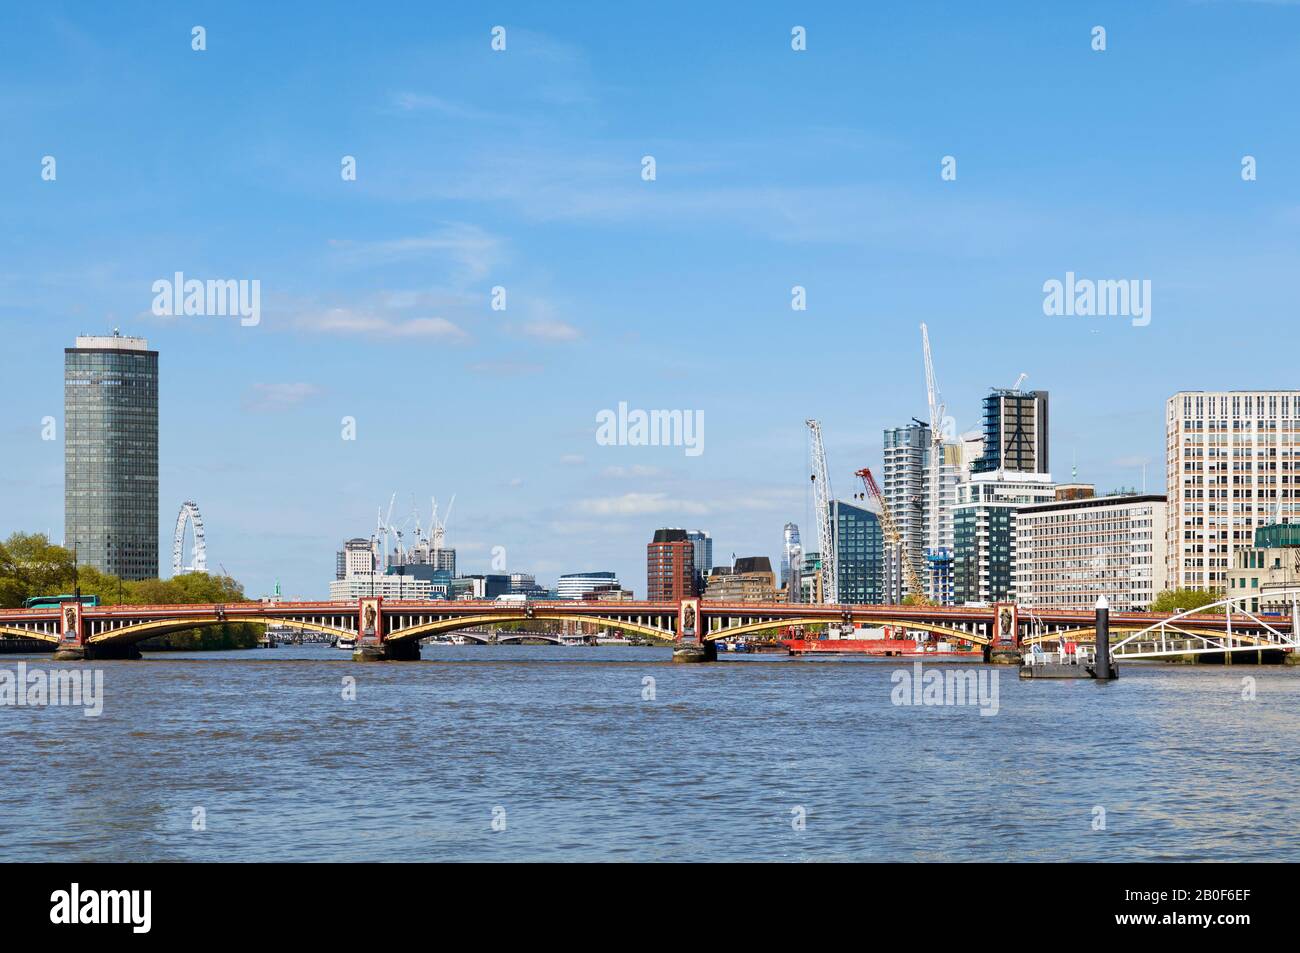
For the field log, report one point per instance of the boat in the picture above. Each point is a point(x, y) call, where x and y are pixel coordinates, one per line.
point(1074, 662)
point(346, 642)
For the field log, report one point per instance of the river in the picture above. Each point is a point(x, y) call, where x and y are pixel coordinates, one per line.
point(520, 753)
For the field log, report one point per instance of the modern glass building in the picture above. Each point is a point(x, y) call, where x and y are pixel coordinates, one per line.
point(859, 554)
point(575, 585)
point(1015, 433)
point(984, 533)
point(110, 455)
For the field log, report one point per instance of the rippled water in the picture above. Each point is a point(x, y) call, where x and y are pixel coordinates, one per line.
point(714, 768)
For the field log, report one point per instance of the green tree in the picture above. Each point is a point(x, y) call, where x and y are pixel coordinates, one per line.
point(1181, 600)
point(30, 565)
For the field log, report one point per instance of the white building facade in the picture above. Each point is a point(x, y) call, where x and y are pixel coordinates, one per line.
point(1070, 552)
point(1232, 459)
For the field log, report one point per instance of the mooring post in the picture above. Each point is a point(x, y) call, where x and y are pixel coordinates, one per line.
point(1102, 660)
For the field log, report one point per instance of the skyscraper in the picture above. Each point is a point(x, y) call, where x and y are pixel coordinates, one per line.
point(906, 488)
point(702, 544)
point(110, 457)
point(1232, 465)
point(670, 566)
point(791, 556)
point(1015, 432)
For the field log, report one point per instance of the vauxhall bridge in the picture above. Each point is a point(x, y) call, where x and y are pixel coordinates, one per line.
point(392, 629)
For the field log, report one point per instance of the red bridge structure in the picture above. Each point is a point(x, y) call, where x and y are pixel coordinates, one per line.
point(392, 629)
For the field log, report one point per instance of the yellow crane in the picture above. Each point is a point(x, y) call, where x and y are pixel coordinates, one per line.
point(892, 533)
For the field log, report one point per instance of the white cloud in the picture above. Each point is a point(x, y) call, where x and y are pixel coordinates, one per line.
point(271, 398)
point(549, 330)
point(349, 321)
point(640, 504)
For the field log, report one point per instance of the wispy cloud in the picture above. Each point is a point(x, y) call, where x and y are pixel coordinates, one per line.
point(469, 251)
point(550, 330)
point(640, 504)
point(277, 397)
point(348, 321)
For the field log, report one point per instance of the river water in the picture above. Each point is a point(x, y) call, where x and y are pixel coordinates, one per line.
point(547, 753)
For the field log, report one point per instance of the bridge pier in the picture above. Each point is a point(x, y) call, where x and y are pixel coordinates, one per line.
point(696, 652)
point(90, 652)
point(402, 650)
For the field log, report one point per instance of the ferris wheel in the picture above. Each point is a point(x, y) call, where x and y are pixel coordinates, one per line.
point(189, 514)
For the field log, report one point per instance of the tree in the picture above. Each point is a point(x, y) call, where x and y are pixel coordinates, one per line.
point(1181, 600)
point(30, 565)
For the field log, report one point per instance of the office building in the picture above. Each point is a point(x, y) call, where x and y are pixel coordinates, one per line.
point(984, 533)
point(1071, 552)
point(110, 456)
point(1267, 574)
point(810, 579)
point(670, 566)
point(750, 580)
point(355, 558)
point(859, 553)
point(702, 558)
point(389, 585)
point(1232, 465)
point(575, 585)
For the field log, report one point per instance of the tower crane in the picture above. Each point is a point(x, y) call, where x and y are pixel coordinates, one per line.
point(892, 533)
point(821, 483)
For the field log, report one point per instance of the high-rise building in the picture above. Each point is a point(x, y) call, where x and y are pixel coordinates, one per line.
point(110, 477)
point(906, 488)
point(575, 585)
point(984, 532)
point(859, 553)
point(1232, 465)
point(791, 555)
point(1015, 433)
point(670, 566)
point(357, 557)
point(702, 560)
point(810, 579)
point(1071, 551)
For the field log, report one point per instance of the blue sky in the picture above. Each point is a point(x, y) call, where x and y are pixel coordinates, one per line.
point(522, 169)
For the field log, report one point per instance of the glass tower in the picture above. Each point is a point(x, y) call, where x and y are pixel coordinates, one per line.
point(110, 455)
point(859, 553)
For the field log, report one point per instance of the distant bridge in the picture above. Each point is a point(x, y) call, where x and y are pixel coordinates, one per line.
point(393, 628)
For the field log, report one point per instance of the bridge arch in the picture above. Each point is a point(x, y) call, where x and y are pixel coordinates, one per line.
point(469, 622)
point(140, 631)
point(11, 631)
point(727, 632)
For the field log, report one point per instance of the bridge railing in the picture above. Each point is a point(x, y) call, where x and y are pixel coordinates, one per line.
point(1234, 608)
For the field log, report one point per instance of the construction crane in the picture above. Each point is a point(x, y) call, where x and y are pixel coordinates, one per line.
point(821, 483)
point(892, 534)
point(936, 449)
point(1019, 380)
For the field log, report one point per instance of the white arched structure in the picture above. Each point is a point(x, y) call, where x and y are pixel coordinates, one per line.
point(189, 512)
